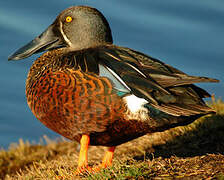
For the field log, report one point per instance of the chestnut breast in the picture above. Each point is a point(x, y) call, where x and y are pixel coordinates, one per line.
point(68, 100)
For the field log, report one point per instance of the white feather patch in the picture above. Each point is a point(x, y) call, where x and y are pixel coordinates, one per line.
point(135, 108)
point(134, 103)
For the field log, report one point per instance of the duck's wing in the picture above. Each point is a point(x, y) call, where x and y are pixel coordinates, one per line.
point(126, 78)
point(162, 73)
point(164, 87)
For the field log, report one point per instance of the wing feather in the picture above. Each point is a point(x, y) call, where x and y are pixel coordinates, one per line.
point(163, 86)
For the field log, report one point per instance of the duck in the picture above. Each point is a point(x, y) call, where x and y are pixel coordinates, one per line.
point(90, 90)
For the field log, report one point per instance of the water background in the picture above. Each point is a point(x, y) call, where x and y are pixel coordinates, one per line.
point(187, 34)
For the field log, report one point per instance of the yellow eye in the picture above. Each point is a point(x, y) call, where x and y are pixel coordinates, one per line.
point(68, 19)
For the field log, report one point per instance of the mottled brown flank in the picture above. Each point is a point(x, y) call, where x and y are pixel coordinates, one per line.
point(70, 101)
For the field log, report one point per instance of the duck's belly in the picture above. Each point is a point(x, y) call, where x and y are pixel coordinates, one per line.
point(119, 132)
point(72, 103)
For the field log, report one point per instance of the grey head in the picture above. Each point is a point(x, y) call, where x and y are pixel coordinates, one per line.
point(75, 28)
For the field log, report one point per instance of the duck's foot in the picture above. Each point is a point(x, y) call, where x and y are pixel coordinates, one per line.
point(84, 170)
point(98, 168)
point(88, 170)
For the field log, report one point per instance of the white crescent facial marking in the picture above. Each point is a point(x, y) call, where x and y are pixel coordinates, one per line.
point(64, 35)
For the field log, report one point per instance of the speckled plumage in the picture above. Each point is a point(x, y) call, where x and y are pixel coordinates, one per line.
point(68, 100)
point(82, 86)
point(66, 94)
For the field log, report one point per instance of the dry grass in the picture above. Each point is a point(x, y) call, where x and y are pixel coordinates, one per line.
point(195, 151)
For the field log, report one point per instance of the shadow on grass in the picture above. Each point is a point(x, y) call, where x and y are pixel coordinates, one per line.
point(204, 136)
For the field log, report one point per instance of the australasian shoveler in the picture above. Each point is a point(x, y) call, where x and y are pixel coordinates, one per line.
point(89, 90)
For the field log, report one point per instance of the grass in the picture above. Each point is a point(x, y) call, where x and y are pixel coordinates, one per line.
point(195, 151)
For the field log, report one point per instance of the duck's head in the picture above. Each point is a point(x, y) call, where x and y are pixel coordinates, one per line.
point(75, 28)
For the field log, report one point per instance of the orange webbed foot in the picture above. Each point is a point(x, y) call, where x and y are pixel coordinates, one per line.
point(82, 170)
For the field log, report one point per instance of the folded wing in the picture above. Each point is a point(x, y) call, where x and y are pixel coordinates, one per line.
point(164, 87)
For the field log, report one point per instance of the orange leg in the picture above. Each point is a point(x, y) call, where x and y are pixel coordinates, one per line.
point(83, 155)
point(107, 159)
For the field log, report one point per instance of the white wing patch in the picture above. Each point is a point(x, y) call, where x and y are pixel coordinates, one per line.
point(134, 103)
point(135, 106)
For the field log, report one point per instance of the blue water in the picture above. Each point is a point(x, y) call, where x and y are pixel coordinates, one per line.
point(186, 34)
